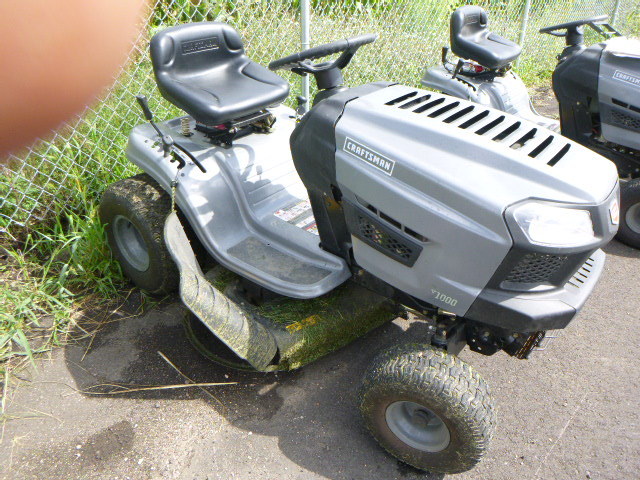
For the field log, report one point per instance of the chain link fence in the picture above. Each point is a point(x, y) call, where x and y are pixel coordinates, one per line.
point(87, 154)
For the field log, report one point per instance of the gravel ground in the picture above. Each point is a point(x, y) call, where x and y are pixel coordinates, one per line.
point(571, 412)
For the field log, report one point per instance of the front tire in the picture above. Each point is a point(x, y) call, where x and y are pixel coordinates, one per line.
point(134, 211)
point(427, 408)
point(629, 231)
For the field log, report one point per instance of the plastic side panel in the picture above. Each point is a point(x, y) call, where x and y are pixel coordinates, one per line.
point(438, 79)
point(232, 205)
point(510, 94)
point(455, 263)
point(467, 239)
point(619, 93)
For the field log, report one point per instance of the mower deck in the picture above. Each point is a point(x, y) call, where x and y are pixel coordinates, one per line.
point(283, 334)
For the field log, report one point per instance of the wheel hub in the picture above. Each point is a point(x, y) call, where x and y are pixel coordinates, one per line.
point(130, 243)
point(421, 418)
point(417, 426)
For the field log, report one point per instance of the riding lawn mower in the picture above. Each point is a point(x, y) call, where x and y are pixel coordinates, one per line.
point(381, 201)
point(597, 88)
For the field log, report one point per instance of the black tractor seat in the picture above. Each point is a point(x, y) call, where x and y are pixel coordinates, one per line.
point(472, 40)
point(202, 69)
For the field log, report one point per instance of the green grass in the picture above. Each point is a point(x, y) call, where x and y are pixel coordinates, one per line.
point(51, 275)
point(324, 324)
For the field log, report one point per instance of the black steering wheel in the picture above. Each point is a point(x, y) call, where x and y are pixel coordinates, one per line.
point(573, 26)
point(300, 62)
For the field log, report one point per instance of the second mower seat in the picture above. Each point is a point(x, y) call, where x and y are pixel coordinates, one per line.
point(471, 39)
point(202, 69)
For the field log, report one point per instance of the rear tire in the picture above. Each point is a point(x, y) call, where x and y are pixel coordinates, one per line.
point(427, 408)
point(134, 211)
point(629, 230)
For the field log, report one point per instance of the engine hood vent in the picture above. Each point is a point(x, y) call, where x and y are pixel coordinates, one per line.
point(429, 141)
point(536, 142)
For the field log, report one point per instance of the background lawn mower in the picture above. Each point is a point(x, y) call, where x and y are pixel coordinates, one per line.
point(597, 87)
point(381, 200)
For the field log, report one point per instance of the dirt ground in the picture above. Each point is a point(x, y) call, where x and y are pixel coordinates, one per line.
point(571, 412)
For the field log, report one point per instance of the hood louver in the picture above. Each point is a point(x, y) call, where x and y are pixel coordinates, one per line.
point(538, 143)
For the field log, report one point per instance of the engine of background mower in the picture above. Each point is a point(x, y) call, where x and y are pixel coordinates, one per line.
point(598, 89)
point(460, 206)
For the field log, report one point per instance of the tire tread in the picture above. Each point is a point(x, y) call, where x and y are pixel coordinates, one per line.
point(144, 199)
point(420, 368)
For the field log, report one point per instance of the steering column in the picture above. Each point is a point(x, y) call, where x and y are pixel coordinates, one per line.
point(328, 75)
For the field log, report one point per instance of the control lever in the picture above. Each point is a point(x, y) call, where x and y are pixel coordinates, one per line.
point(167, 141)
point(445, 54)
point(458, 68)
point(301, 107)
point(168, 144)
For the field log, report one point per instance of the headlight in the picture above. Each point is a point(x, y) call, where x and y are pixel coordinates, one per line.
point(549, 225)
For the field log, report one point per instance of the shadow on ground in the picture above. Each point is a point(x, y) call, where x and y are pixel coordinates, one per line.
point(621, 250)
point(311, 411)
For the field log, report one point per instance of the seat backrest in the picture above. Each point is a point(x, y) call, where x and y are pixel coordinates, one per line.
point(470, 23)
point(202, 69)
point(472, 40)
point(194, 47)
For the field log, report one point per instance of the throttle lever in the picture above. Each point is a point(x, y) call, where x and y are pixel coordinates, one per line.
point(168, 143)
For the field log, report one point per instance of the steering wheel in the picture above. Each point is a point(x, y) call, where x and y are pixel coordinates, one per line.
point(573, 26)
point(300, 62)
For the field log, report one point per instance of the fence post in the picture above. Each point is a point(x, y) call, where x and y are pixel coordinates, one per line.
point(614, 15)
point(305, 40)
point(523, 25)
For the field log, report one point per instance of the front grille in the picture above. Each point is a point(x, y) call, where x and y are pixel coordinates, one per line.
point(384, 239)
point(582, 275)
point(620, 103)
point(536, 268)
point(624, 120)
point(384, 233)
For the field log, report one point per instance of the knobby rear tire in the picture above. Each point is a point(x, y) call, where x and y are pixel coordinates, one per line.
point(142, 202)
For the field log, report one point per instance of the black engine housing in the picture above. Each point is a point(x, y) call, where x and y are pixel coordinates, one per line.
point(575, 83)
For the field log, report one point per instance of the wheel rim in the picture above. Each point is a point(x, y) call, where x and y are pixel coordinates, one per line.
point(417, 426)
point(130, 243)
point(632, 217)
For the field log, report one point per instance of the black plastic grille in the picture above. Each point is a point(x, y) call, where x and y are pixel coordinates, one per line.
point(625, 120)
point(536, 268)
point(384, 239)
point(383, 233)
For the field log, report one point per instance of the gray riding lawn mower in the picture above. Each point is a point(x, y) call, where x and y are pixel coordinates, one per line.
point(381, 201)
point(597, 87)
